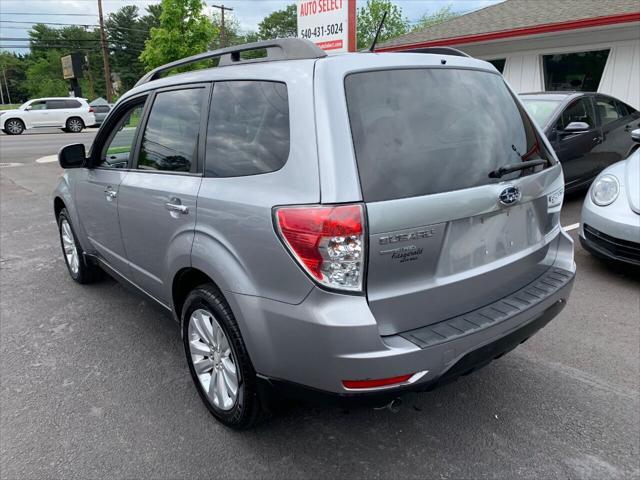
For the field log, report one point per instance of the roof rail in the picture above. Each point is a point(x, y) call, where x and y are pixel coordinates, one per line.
point(279, 49)
point(437, 51)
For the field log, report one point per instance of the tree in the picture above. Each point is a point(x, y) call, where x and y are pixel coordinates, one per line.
point(369, 17)
point(126, 35)
point(184, 30)
point(47, 45)
point(444, 14)
point(279, 24)
point(15, 70)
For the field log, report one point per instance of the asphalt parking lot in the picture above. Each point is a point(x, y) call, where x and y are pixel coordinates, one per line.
point(94, 384)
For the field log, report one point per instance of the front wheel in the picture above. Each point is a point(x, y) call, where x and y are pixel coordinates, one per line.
point(79, 270)
point(14, 126)
point(74, 125)
point(218, 360)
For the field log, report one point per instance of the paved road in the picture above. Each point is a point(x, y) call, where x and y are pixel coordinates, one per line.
point(94, 384)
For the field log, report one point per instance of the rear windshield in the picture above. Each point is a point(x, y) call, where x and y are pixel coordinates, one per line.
point(424, 131)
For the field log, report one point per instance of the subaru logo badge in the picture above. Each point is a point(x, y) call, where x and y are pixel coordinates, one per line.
point(510, 195)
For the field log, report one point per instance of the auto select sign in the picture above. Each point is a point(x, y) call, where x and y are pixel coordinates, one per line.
point(330, 24)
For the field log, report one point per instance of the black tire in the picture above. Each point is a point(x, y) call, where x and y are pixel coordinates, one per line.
point(74, 125)
point(248, 408)
point(85, 272)
point(13, 126)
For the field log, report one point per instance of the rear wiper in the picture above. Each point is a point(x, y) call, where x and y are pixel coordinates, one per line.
point(514, 167)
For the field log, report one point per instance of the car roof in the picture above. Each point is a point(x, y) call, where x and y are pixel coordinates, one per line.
point(292, 69)
point(557, 96)
point(57, 98)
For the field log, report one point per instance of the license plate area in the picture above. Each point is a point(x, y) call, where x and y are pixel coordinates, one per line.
point(476, 241)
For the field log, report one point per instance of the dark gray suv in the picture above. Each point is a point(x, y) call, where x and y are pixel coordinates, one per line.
point(345, 228)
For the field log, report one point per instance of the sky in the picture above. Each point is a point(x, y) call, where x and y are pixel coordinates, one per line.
point(248, 12)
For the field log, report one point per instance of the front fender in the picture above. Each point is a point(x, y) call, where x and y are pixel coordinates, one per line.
point(64, 192)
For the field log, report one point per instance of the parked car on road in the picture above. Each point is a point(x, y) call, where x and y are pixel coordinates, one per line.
point(588, 131)
point(69, 114)
point(101, 112)
point(318, 225)
point(610, 226)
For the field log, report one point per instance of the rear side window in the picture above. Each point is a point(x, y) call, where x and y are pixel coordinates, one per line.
point(608, 110)
point(248, 132)
point(72, 104)
point(424, 131)
point(56, 104)
point(170, 138)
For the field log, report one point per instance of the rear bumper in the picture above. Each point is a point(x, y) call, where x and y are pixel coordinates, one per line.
point(469, 363)
point(331, 337)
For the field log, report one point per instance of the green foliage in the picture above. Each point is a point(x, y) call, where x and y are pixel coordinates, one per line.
point(429, 19)
point(126, 34)
point(15, 71)
point(279, 24)
point(44, 76)
point(369, 17)
point(184, 30)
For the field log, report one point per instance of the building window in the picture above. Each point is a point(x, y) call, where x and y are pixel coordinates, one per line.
point(498, 63)
point(580, 71)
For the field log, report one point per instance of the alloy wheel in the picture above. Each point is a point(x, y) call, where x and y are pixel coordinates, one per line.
point(213, 359)
point(69, 246)
point(14, 127)
point(75, 125)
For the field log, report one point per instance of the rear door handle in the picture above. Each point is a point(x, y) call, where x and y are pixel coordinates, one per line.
point(175, 205)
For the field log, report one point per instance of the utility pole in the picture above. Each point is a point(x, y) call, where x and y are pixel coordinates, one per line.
point(105, 53)
point(2, 91)
point(6, 84)
point(223, 39)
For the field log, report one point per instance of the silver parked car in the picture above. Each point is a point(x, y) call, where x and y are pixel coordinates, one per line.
point(345, 228)
point(610, 226)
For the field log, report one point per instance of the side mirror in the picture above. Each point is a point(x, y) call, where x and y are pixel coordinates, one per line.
point(72, 156)
point(28, 107)
point(576, 127)
point(635, 135)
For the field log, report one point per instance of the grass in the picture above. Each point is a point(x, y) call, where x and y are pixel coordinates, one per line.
point(9, 106)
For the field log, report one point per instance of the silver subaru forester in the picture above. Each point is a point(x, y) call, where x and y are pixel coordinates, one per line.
point(343, 228)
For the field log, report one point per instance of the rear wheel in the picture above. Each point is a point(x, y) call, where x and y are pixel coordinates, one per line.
point(218, 360)
point(74, 125)
point(79, 270)
point(14, 126)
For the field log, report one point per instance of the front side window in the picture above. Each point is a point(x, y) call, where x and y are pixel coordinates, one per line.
point(42, 105)
point(424, 131)
point(170, 140)
point(608, 110)
point(118, 149)
point(579, 111)
point(248, 131)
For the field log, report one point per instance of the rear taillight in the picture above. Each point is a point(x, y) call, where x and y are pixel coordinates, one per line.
point(91, 110)
point(327, 241)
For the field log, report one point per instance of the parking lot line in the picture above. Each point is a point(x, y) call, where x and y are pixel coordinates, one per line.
point(573, 226)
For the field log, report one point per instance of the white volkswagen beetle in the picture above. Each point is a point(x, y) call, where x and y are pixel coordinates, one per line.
point(611, 211)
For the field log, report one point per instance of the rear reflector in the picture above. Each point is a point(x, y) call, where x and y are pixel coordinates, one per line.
point(327, 241)
point(382, 382)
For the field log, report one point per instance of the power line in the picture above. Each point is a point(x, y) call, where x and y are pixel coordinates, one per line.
point(53, 14)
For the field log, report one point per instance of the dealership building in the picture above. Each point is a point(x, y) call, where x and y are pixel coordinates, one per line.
point(585, 45)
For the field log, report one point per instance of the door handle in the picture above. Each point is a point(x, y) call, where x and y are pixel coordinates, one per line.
point(110, 193)
point(175, 206)
point(597, 139)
